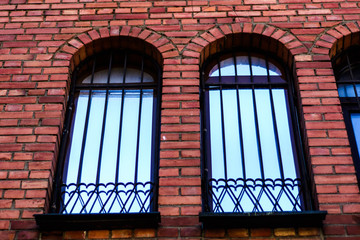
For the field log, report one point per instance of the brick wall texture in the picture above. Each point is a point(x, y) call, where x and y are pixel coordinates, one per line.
point(42, 40)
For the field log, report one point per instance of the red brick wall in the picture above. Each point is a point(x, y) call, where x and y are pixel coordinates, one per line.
point(42, 40)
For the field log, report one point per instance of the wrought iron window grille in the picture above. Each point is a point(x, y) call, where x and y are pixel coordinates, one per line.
point(346, 67)
point(231, 82)
point(119, 98)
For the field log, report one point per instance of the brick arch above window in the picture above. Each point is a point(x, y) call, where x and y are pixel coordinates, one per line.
point(267, 38)
point(336, 39)
point(94, 41)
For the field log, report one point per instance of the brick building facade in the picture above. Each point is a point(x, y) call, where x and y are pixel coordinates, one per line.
point(43, 42)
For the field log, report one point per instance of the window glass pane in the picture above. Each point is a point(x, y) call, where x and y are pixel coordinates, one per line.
point(252, 164)
point(258, 66)
point(273, 70)
point(346, 90)
point(355, 120)
point(227, 67)
point(232, 139)
point(285, 137)
point(145, 137)
point(217, 158)
point(129, 135)
point(267, 134)
point(214, 72)
point(111, 136)
point(242, 66)
point(92, 146)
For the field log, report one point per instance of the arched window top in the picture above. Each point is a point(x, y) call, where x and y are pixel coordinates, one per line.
point(126, 68)
point(347, 71)
point(244, 68)
point(119, 76)
point(347, 65)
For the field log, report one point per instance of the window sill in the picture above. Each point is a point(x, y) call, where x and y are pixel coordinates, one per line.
point(56, 221)
point(265, 219)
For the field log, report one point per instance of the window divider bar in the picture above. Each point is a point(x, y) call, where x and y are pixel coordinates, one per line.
point(121, 121)
point(103, 123)
point(276, 133)
point(139, 123)
point(256, 121)
point(239, 120)
point(222, 123)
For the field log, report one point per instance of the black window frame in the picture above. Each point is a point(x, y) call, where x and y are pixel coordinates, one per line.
point(309, 216)
point(56, 219)
point(342, 66)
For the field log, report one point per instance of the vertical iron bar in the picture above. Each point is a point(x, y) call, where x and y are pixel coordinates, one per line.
point(276, 133)
point(256, 120)
point(121, 121)
point(222, 122)
point(104, 122)
point(239, 120)
point(86, 123)
point(139, 122)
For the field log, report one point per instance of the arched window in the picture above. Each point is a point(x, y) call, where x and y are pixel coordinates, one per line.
point(253, 160)
point(347, 71)
point(109, 151)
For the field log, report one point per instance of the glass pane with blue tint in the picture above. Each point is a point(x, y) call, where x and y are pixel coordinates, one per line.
point(214, 72)
point(144, 165)
point(129, 136)
point(227, 67)
point(92, 146)
point(273, 70)
point(252, 161)
point(258, 66)
point(145, 136)
point(355, 120)
point(216, 144)
point(111, 136)
point(242, 66)
point(270, 157)
point(346, 90)
point(287, 144)
point(232, 136)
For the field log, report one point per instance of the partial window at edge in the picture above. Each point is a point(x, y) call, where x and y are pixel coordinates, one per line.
point(347, 71)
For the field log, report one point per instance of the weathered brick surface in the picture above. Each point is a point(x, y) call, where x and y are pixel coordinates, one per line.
point(41, 41)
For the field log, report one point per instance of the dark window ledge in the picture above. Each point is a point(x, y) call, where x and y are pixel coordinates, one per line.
point(264, 219)
point(56, 221)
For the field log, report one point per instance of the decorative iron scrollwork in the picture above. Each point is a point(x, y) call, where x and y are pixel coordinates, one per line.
point(106, 198)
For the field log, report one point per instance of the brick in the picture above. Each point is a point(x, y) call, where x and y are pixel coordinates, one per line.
point(144, 233)
point(238, 232)
point(284, 232)
point(96, 234)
